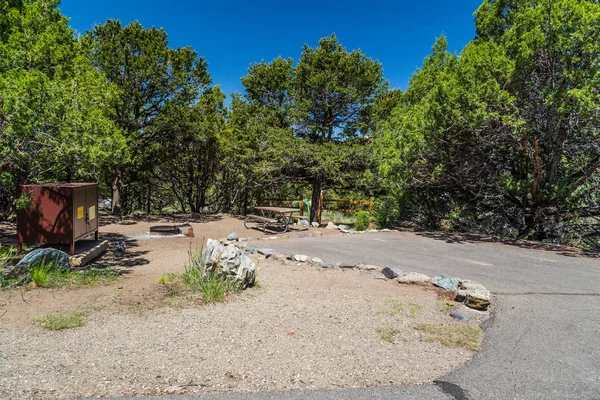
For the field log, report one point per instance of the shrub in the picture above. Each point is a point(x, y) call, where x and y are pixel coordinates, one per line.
point(363, 219)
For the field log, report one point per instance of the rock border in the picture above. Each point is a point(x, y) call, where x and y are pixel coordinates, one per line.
point(472, 294)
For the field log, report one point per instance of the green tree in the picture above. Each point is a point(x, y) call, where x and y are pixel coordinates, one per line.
point(505, 138)
point(332, 88)
point(151, 77)
point(53, 119)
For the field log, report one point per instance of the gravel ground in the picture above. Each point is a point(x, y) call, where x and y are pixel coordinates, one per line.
point(301, 329)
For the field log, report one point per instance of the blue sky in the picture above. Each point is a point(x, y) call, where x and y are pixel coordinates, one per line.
point(231, 35)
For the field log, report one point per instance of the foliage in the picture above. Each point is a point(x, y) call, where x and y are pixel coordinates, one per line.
point(156, 85)
point(59, 321)
point(504, 138)
point(53, 122)
point(363, 219)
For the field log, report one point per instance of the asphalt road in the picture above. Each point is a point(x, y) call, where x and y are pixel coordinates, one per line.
point(542, 342)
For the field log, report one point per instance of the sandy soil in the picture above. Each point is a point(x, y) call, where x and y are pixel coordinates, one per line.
point(301, 329)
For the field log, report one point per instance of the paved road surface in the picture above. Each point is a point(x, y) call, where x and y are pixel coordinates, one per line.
point(543, 341)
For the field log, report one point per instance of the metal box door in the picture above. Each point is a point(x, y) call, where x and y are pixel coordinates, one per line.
point(79, 212)
point(92, 208)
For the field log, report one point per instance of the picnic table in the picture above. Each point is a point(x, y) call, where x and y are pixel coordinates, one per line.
point(273, 215)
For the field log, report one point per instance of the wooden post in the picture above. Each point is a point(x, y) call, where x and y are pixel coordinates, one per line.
point(301, 205)
point(371, 205)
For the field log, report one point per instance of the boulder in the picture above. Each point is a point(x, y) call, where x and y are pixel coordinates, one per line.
point(228, 260)
point(303, 222)
point(389, 273)
point(233, 236)
point(414, 278)
point(461, 295)
point(478, 299)
point(347, 265)
point(445, 282)
point(469, 285)
point(265, 252)
point(300, 257)
point(59, 260)
point(315, 224)
point(342, 227)
point(368, 267)
point(316, 260)
point(331, 225)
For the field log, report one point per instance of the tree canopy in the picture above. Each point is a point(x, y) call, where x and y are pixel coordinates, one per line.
point(501, 138)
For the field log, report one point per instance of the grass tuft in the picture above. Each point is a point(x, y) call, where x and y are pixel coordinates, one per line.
point(466, 336)
point(212, 287)
point(387, 334)
point(59, 321)
point(395, 307)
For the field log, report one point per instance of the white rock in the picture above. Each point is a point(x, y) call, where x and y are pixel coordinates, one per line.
point(414, 278)
point(300, 257)
point(368, 267)
point(331, 225)
point(316, 260)
point(315, 224)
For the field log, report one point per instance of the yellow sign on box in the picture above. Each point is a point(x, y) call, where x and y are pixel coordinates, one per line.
point(92, 212)
point(80, 211)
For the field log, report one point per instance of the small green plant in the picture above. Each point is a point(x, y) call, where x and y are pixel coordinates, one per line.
point(395, 307)
point(387, 334)
point(415, 309)
point(58, 321)
point(363, 219)
point(42, 274)
point(168, 278)
point(466, 336)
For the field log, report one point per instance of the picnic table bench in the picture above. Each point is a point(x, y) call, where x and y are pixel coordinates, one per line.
point(280, 215)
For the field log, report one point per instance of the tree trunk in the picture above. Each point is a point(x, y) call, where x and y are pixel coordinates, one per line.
point(116, 193)
point(148, 200)
point(316, 198)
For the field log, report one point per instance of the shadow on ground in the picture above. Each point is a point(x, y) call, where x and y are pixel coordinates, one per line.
point(125, 260)
point(160, 218)
point(458, 238)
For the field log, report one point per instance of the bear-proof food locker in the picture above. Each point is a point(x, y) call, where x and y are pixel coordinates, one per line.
point(57, 213)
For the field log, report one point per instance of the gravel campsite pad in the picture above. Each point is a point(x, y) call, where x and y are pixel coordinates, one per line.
point(300, 329)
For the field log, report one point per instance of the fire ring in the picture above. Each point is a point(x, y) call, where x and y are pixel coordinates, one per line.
point(165, 230)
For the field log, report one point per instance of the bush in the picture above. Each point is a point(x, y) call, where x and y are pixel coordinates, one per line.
point(387, 211)
point(363, 219)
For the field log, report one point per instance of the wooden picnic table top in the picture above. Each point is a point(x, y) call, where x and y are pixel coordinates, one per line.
point(279, 210)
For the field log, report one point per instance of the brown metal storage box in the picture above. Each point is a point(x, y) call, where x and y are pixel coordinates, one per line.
point(60, 213)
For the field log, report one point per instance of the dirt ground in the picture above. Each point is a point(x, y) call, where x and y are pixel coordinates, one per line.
point(300, 329)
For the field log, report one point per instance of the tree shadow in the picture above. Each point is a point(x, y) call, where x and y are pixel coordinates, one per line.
point(124, 260)
point(160, 218)
point(460, 238)
point(8, 235)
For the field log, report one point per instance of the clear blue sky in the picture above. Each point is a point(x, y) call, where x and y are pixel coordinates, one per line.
point(231, 35)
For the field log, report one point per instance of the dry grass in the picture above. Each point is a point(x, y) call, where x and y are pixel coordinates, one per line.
point(466, 336)
point(59, 321)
